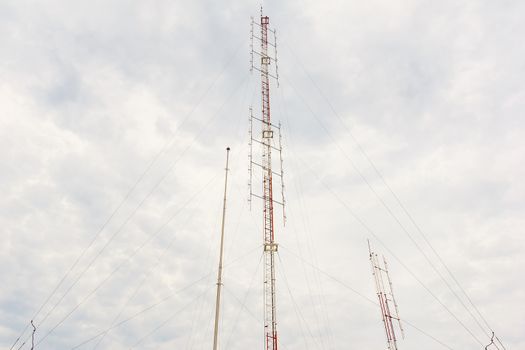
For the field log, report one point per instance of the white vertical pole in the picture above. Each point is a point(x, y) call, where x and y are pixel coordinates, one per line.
point(219, 273)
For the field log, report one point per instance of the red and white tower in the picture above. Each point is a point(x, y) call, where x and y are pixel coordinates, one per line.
point(267, 66)
point(385, 295)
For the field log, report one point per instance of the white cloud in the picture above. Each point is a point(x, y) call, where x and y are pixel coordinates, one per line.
point(90, 92)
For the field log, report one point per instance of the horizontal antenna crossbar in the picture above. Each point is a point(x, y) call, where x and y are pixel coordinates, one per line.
point(265, 122)
point(271, 75)
point(262, 143)
point(260, 54)
point(257, 24)
point(268, 42)
point(273, 200)
point(264, 168)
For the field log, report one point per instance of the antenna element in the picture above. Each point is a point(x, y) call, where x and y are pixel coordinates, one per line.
point(219, 273)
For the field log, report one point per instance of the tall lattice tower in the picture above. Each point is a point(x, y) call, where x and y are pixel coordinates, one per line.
point(385, 295)
point(268, 136)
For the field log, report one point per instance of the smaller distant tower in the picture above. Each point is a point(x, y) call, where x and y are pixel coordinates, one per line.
point(385, 294)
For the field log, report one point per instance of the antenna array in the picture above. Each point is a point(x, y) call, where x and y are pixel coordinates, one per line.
point(264, 137)
point(385, 294)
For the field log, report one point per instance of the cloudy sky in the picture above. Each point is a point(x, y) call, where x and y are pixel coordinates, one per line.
point(402, 123)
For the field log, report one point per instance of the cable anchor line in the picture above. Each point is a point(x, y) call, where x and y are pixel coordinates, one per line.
point(409, 215)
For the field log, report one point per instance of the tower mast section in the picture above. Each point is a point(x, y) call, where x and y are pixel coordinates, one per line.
point(385, 296)
point(267, 38)
point(219, 273)
point(270, 247)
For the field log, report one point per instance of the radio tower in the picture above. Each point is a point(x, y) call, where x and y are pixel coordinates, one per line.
point(268, 143)
point(385, 294)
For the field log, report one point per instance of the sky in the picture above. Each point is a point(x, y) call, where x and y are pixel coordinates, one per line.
point(402, 123)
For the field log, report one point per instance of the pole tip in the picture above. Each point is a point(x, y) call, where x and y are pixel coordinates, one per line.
point(227, 148)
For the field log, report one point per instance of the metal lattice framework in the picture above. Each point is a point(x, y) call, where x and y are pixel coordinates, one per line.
point(268, 143)
point(385, 295)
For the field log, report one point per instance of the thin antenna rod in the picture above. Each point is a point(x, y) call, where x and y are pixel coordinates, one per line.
point(219, 273)
point(393, 298)
point(282, 171)
point(250, 158)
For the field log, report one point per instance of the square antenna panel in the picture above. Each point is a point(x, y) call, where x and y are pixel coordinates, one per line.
point(268, 134)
